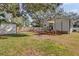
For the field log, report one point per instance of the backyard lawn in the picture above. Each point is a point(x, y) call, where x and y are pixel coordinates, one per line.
point(30, 43)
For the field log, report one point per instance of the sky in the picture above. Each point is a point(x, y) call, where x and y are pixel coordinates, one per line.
point(74, 7)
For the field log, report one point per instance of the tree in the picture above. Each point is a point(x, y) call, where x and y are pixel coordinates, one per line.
point(10, 7)
point(44, 11)
point(34, 7)
point(31, 8)
point(39, 11)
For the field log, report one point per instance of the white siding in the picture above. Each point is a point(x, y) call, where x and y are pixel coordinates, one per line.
point(63, 23)
point(58, 25)
point(7, 29)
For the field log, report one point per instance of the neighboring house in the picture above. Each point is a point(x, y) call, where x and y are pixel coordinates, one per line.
point(7, 28)
point(76, 25)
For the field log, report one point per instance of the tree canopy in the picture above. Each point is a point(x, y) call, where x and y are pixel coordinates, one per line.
point(30, 7)
point(34, 7)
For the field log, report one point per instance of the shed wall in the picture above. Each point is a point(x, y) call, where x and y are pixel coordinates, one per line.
point(62, 25)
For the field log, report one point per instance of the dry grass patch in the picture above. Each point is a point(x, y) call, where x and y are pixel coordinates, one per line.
point(31, 44)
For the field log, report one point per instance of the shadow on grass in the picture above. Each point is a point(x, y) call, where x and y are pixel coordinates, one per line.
point(54, 34)
point(3, 38)
point(15, 35)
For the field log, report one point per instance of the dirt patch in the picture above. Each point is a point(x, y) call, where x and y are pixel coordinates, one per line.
point(67, 40)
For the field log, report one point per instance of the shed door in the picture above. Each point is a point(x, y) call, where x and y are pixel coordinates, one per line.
point(51, 26)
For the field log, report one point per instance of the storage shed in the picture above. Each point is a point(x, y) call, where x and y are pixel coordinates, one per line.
point(63, 25)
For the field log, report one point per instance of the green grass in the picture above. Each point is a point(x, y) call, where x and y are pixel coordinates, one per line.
point(26, 44)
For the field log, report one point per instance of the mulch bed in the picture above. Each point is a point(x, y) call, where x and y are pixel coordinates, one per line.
point(49, 32)
point(40, 31)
